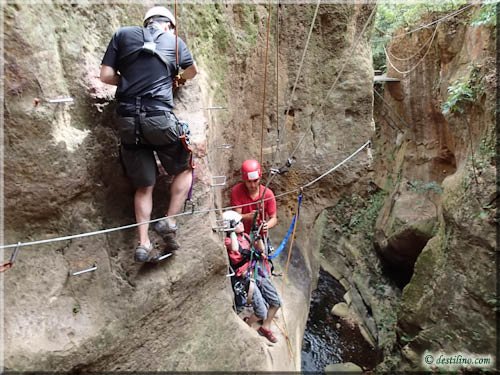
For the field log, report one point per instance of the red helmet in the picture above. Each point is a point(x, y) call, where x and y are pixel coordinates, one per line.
point(250, 170)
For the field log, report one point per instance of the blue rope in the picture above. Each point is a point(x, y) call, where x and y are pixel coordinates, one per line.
point(289, 233)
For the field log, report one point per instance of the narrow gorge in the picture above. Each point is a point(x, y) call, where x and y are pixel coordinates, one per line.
point(407, 226)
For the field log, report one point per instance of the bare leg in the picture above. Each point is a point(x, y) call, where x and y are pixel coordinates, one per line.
point(143, 204)
point(178, 191)
point(270, 316)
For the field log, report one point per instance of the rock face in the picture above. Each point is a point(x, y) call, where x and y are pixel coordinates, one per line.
point(439, 169)
point(62, 176)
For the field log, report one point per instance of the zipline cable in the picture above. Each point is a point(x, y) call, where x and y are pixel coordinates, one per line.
point(350, 55)
point(418, 63)
point(109, 230)
point(353, 46)
point(416, 53)
point(70, 237)
point(283, 127)
point(265, 84)
point(453, 14)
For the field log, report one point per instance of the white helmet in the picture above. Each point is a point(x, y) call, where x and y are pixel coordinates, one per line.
point(231, 215)
point(160, 12)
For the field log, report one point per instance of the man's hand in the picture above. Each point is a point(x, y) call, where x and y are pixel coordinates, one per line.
point(179, 81)
point(264, 226)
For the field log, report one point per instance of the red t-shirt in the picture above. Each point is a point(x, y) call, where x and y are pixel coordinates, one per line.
point(239, 195)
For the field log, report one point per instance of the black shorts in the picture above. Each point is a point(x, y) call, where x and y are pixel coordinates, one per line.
point(158, 133)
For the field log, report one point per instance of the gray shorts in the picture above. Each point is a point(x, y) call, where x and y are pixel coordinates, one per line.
point(158, 133)
point(264, 295)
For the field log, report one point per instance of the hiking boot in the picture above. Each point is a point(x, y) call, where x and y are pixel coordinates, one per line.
point(143, 253)
point(163, 228)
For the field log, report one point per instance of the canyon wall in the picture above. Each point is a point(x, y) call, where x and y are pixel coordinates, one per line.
point(62, 176)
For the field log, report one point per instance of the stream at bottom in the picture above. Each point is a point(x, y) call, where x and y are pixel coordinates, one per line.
point(329, 339)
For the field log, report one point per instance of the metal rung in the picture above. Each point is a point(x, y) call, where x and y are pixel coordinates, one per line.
point(164, 256)
point(61, 100)
point(220, 183)
point(216, 107)
point(225, 145)
point(93, 268)
point(220, 225)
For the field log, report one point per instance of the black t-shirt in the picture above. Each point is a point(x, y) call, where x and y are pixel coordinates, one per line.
point(143, 74)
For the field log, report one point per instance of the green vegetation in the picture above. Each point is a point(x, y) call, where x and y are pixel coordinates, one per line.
point(462, 91)
point(487, 15)
point(428, 189)
point(357, 215)
point(393, 16)
point(214, 36)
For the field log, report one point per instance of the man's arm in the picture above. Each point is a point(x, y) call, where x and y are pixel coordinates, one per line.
point(109, 75)
point(190, 72)
point(271, 222)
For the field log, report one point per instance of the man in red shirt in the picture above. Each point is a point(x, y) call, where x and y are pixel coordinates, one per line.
point(250, 191)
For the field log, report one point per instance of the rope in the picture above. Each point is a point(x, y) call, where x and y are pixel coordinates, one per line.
point(103, 231)
point(282, 129)
point(176, 31)
point(284, 331)
point(349, 58)
point(289, 232)
point(277, 152)
point(452, 14)
point(418, 63)
point(265, 83)
point(337, 78)
point(416, 53)
point(289, 253)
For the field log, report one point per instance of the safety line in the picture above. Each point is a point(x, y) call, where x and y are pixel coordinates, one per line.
point(349, 58)
point(416, 53)
point(283, 127)
point(278, 151)
point(418, 63)
point(265, 84)
point(452, 14)
point(103, 231)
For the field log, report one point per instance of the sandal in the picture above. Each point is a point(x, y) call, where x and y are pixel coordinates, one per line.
point(268, 334)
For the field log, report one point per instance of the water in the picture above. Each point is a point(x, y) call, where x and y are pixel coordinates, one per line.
point(326, 344)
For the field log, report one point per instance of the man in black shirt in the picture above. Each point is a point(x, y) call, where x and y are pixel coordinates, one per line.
point(144, 63)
